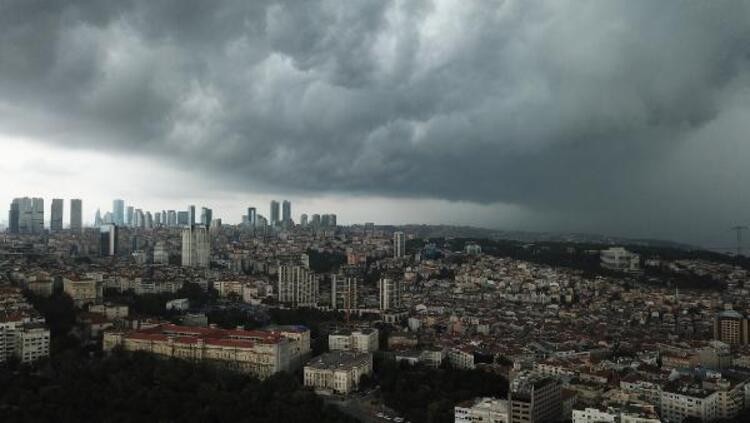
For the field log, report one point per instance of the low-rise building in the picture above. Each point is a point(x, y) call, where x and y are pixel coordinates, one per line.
point(257, 352)
point(362, 340)
point(482, 410)
point(337, 372)
point(84, 291)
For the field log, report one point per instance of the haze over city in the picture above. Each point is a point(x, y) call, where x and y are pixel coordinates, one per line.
point(623, 118)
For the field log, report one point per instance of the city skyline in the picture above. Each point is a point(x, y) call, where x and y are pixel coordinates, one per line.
point(626, 119)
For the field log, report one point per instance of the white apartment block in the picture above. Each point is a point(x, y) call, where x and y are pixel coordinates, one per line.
point(297, 286)
point(32, 343)
point(196, 246)
point(482, 410)
point(389, 294)
point(363, 340)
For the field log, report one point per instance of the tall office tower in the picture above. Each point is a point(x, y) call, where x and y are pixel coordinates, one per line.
point(118, 212)
point(274, 213)
point(303, 219)
point(108, 218)
point(148, 220)
point(343, 292)
point(157, 219)
point(14, 216)
point(206, 216)
point(139, 220)
point(389, 293)
point(129, 216)
point(196, 249)
point(56, 215)
point(534, 399)
point(24, 214)
point(316, 220)
point(731, 327)
point(108, 240)
point(286, 212)
point(98, 221)
point(297, 287)
point(183, 218)
point(399, 245)
point(332, 220)
point(37, 215)
point(76, 215)
point(191, 215)
point(252, 218)
point(325, 220)
point(171, 218)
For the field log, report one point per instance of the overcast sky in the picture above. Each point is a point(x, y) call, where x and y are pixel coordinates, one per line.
point(618, 117)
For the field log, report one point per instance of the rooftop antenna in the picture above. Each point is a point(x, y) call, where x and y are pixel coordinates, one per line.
point(739, 229)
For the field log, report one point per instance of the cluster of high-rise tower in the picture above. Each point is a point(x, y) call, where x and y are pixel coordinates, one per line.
point(26, 215)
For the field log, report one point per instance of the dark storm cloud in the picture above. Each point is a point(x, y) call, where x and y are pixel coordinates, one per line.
point(552, 105)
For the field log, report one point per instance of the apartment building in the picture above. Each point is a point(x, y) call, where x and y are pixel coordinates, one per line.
point(482, 410)
point(362, 340)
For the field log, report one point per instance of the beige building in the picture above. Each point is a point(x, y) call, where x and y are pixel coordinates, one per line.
point(84, 291)
point(257, 352)
point(731, 328)
point(363, 340)
point(482, 410)
point(337, 372)
point(110, 310)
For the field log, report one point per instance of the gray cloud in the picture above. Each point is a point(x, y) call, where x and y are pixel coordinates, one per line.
point(592, 110)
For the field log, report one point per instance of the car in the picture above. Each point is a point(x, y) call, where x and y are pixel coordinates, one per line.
point(398, 419)
point(381, 415)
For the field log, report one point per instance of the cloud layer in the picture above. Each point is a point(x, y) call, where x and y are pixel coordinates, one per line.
point(606, 111)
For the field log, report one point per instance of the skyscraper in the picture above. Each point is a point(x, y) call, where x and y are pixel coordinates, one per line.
point(129, 216)
point(274, 213)
point(316, 220)
point(191, 215)
point(108, 240)
point(183, 218)
point(171, 218)
point(139, 220)
point(37, 215)
point(76, 219)
point(196, 248)
point(252, 218)
point(286, 212)
point(14, 216)
point(118, 212)
point(56, 215)
point(303, 219)
point(148, 220)
point(399, 245)
point(206, 216)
